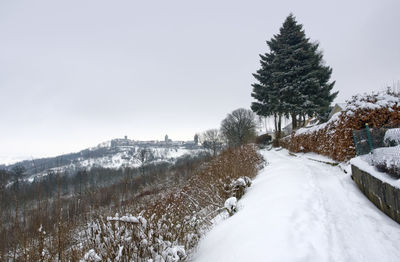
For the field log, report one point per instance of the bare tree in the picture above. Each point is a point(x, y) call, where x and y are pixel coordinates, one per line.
point(239, 127)
point(211, 139)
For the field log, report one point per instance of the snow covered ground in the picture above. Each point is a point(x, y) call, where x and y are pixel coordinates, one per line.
point(302, 210)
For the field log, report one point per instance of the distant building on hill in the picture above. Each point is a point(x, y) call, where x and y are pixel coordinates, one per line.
point(122, 142)
point(167, 140)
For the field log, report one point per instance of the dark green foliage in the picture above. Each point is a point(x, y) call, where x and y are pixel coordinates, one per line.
point(324, 114)
point(293, 80)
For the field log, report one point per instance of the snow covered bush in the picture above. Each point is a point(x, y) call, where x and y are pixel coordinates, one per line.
point(392, 137)
point(231, 205)
point(237, 187)
point(174, 254)
point(130, 238)
point(387, 159)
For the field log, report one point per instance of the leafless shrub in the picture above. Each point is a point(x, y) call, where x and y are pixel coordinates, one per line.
point(171, 225)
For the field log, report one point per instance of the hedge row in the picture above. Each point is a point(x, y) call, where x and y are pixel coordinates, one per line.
point(335, 138)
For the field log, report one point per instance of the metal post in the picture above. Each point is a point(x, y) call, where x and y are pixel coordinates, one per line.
point(355, 143)
point(371, 147)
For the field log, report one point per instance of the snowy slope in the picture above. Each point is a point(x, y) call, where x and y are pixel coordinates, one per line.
point(126, 158)
point(302, 210)
point(121, 157)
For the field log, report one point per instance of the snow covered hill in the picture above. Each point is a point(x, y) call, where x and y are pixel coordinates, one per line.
point(114, 154)
point(126, 157)
point(302, 210)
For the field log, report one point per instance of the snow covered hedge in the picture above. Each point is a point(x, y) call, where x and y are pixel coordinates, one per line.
point(334, 138)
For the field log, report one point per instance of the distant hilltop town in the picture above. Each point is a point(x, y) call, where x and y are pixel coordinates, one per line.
point(126, 142)
point(102, 154)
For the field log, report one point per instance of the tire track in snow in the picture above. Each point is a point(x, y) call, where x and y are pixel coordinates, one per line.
point(309, 229)
point(352, 218)
point(337, 251)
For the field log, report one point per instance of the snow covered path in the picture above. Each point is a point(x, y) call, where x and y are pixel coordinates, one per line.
point(302, 210)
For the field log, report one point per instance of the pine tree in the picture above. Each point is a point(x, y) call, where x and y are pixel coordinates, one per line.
point(267, 92)
point(293, 79)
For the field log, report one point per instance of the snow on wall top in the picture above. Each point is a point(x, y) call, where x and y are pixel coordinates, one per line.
point(362, 163)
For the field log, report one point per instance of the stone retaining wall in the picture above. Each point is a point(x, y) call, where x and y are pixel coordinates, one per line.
point(384, 196)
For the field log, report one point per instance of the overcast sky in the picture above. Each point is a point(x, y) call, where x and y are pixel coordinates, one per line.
point(76, 73)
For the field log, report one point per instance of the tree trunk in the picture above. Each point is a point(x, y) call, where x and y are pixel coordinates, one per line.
point(265, 124)
point(294, 121)
point(279, 125)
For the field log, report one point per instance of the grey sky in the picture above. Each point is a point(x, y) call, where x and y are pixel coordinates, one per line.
point(76, 73)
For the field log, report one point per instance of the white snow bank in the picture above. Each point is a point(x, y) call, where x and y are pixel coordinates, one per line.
point(231, 204)
point(128, 218)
